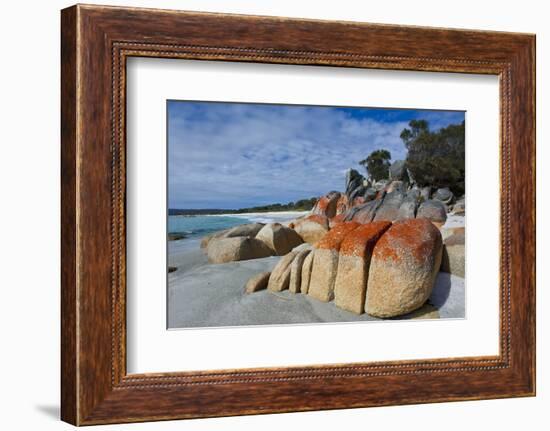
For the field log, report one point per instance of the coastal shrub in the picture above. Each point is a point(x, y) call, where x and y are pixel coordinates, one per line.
point(377, 164)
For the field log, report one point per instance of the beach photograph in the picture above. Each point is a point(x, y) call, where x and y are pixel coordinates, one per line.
point(297, 214)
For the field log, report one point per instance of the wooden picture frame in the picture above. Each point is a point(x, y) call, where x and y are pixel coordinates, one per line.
point(95, 43)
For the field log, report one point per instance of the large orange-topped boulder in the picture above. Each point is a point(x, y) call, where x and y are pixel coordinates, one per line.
point(325, 261)
point(312, 228)
point(353, 266)
point(326, 205)
point(404, 264)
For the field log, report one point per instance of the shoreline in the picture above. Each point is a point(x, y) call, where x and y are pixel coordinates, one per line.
point(199, 226)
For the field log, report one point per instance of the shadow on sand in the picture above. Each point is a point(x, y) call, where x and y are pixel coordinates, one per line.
point(441, 290)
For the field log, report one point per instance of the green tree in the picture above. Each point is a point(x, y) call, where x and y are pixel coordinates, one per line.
point(377, 164)
point(436, 158)
point(417, 128)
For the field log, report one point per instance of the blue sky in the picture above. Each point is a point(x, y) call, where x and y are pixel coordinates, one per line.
point(236, 155)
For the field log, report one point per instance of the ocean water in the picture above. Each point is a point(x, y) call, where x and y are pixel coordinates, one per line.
point(201, 225)
point(198, 226)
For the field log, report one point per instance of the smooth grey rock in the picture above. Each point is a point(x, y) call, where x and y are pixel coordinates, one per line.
point(358, 191)
point(222, 250)
point(250, 230)
point(408, 208)
point(426, 193)
point(444, 195)
point(432, 210)
point(380, 185)
point(389, 209)
point(398, 170)
point(280, 239)
point(257, 282)
point(370, 194)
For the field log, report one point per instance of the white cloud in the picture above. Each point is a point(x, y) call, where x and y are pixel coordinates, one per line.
point(240, 155)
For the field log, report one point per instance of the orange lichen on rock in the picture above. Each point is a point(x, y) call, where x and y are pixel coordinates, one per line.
point(325, 262)
point(318, 218)
point(342, 204)
point(326, 205)
point(353, 266)
point(333, 239)
point(413, 237)
point(403, 268)
point(357, 242)
point(312, 228)
point(334, 221)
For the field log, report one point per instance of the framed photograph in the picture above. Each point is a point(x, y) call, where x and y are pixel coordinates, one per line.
point(263, 214)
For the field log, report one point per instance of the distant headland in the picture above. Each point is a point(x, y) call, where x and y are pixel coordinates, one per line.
point(300, 205)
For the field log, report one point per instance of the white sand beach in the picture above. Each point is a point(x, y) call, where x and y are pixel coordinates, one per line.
point(282, 217)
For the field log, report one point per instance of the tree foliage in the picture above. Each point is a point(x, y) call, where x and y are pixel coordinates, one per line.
point(377, 164)
point(436, 158)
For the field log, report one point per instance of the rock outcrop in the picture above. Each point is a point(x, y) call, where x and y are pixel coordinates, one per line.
point(295, 283)
point(223, 250)
point(374, 248)
point(249, 230)
point(280, 239)
point(364, 213)
point(279, 279)
point(459, 207)
point(257, 283)
point(426, 193)
point(176, 236)
point(444, 195)
point(453, 260)
point(355, 182)
point(325, 262)
point(389, 208)
point(408, 207)
point(306, 273)
point(327, 204)
point(334, 221)
point(432, 210)
point(353, 266)
point(312, 228)
point(342, 205)
point(404, 264)
point(206, 239)
point(398, 171)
